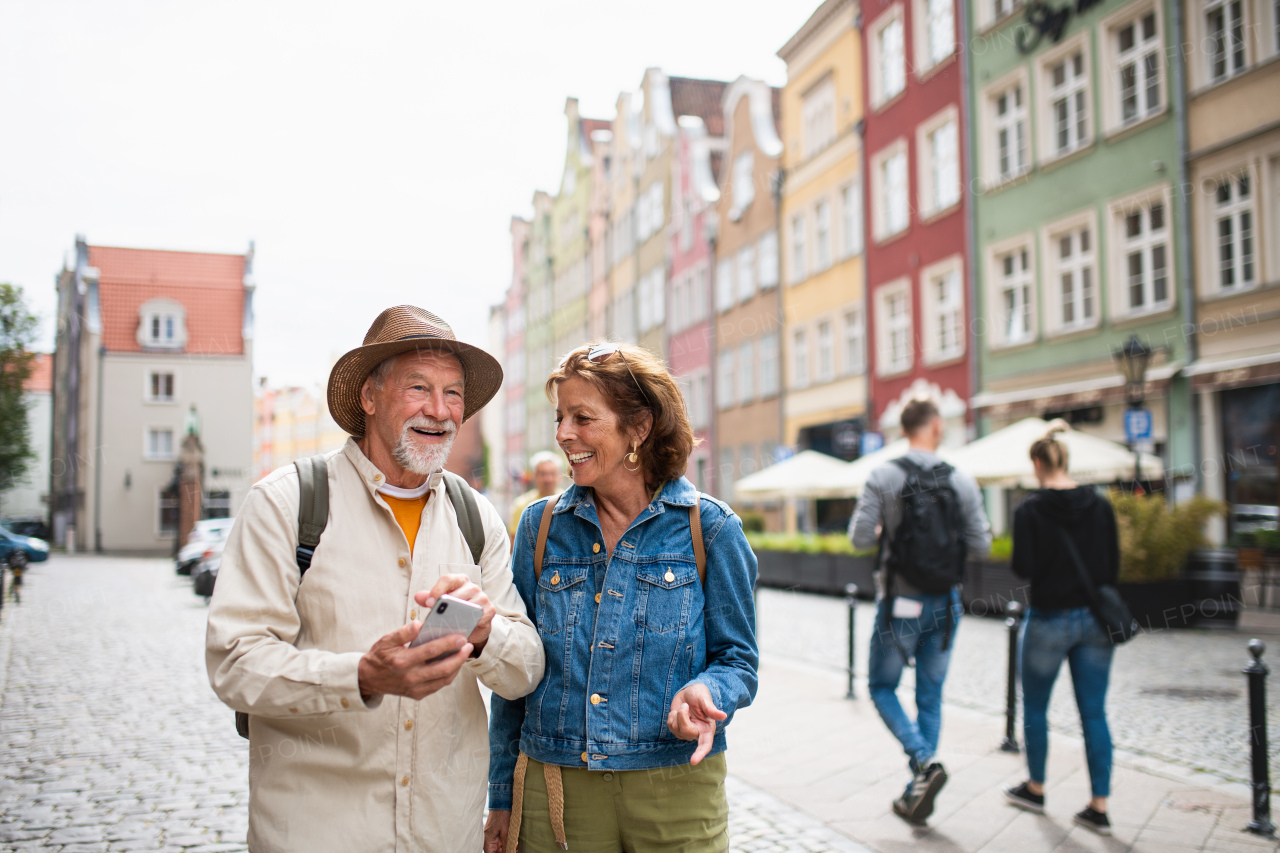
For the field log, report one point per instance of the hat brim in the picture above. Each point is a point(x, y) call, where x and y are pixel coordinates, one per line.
point(482, 371)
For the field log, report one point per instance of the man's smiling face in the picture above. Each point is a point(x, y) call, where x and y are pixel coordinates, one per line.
point(413, 409)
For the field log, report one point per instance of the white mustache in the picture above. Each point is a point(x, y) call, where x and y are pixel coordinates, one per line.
point(423, 422)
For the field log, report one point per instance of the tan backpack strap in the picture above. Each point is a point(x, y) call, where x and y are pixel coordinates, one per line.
point(699, 549)
point(555, 799)
point(544, 527)
point(517, 803)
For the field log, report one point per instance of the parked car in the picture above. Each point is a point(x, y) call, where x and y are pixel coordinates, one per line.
point(18, 550)
point(205, 573)
point(27, 525)
point(205, 533)
point(1248, 518)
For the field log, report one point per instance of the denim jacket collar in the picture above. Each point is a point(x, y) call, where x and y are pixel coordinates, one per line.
point(678, 492)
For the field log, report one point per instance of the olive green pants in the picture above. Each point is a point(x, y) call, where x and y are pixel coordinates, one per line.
point(668, 808)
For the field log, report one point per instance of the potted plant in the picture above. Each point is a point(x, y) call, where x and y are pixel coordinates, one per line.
point(821, 563)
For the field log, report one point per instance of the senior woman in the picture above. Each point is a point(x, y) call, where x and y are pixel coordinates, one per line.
point(621, 747)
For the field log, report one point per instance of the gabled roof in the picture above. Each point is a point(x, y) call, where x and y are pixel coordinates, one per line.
point(209, 286)
point(701, 98)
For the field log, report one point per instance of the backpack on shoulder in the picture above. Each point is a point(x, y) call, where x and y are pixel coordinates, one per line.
point(313, 517)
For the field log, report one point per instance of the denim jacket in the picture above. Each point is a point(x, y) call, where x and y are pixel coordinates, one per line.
point(617, 654)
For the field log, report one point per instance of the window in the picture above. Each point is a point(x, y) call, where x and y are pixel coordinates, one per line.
point(1224, 25)
point(747, 459)
point(744, 184)
point(650, 299)
point(798, 271)
point(943, 311)
point(767, 252)
point(1144, 255)
point(826, 355)
point(939, 163)
point(1067, 83)
point(1008, 145)
point(724, 380)
point(701, 298)
point(854, 344)
point(167, 517)
point(893, 310)
point(727, 466)
point(1136, 47)
point(888, 57)
point(217, 503)
point(746, 372)
point(159, 444)
point(769, 365)
point(700, 417)
point(799, 359)
point(822, 235)
point(819, 117)
point(160, 388)
point(890, 190)
point(1013, 300)
point(851, 219)
point(935, 32)
point(1070, 278)
point(1233, 223)
point(1001, 8)
point(162, 324)
point(724, 284)
point(746, 273)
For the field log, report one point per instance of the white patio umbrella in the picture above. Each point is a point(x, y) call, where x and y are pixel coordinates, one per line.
point(805, 475)
point(1001, 458)
point(851, 480)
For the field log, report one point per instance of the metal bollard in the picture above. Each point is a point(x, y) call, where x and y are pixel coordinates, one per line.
point(1257, 674)
point(1010, 742)
point(851, 601)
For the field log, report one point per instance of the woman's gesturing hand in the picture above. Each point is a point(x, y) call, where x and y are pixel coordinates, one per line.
point(495, 831)
point(693, 717)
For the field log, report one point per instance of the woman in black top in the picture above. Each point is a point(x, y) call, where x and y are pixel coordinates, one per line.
point(1059, 624)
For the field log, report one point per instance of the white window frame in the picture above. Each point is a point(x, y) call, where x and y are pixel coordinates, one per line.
point(1112, 90)
point(853, 340)
point(822, 248)
point(938, 318)
point(884, 90)
point(1230, 69)
point(1120, 247)
point(746, 284)
point(997, 319)
point(744, 183)
point(818, 116)
point(1046, 95)
point(724, 379)
point(770, 364)
point(824, 341)
point(767, 257)
point(1081, 262)
point(851, 221)
point(1242, 216)
point(147, 394)
point(993, 123)
point(799, 352)
point(992, 12)
point(885, 230)
point(746, 379)
point(725, 284)
point(931, 198)
point(894, 331)
point(797, 254)
point(149, 453)
point(927, 26)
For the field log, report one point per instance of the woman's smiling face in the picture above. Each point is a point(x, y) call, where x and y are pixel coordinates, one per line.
point(587, 431)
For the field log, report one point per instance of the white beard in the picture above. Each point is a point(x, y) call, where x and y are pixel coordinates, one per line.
point(424, 460)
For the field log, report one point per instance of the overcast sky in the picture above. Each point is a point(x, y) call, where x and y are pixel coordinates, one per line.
point(375, 151)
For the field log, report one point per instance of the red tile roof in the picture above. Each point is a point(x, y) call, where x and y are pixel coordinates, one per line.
point(210, 287)
point(41, 378)
point(591, 125)
point(690, 97)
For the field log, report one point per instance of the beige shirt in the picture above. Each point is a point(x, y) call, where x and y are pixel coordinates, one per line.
point(328, 771)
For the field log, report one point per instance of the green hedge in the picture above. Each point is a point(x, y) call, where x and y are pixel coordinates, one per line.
point(806, 543)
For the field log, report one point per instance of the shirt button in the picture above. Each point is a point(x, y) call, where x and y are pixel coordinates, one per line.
point(402, 562)
point(293, 710)
point(595, 549)
point(346, 704)
point(404, 781)
point(595, 698)
point(408, 724)
point(413, 614)
point(377, 478)
point(669, 576)
point(584, 757)
point(597, 598)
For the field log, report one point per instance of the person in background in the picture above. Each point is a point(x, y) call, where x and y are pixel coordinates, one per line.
point(547, 469)
point(1059, 532)
point(927, 519)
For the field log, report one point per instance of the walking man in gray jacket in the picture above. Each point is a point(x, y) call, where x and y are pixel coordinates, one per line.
point(926, 518)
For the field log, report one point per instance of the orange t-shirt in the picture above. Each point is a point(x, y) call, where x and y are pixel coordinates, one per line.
point(408, 513)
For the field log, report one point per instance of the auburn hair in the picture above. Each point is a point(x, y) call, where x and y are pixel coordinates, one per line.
point(664, 454)
point(1051, 453)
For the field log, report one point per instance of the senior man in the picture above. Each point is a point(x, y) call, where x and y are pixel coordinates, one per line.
point(548, 470)
point(358, 742)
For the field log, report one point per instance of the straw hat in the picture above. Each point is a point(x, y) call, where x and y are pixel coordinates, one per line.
point(406, 328)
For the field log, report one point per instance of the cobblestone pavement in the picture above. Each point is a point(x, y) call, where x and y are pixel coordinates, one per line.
point(111, 739)
point(1178, 695)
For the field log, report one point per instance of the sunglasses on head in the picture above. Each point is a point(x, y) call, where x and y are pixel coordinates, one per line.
point(601, 353)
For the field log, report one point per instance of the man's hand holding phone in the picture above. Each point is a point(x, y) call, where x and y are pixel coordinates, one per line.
point(460, 586)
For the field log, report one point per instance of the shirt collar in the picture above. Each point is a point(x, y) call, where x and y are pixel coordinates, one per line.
point(373, 478)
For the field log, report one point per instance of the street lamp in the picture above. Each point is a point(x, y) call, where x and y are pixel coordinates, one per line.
point(1132, 359)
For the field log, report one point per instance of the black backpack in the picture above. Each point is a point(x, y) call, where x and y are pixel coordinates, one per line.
point(927, 549)
point(313, 516)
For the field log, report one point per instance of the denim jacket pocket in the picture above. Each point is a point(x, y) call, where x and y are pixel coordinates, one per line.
point(666, 594)
point(560, 594)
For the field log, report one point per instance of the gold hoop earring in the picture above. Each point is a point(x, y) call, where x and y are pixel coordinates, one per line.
point(633, 457)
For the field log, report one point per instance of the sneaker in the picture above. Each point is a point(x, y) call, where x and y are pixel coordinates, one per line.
point(1022, 797)
point(1096, 821)
point(916, 803)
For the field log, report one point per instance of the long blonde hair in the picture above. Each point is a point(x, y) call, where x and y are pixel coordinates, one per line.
point(1051, 453)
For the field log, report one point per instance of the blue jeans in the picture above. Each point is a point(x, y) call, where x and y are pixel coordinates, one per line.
point(1049, 637)
point(922, 639)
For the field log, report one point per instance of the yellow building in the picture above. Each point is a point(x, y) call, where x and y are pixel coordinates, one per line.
point(822, 234)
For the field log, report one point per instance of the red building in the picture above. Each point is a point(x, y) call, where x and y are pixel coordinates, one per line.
point(916, 257)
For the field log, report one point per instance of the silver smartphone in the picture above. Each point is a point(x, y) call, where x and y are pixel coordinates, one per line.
point(449, 616)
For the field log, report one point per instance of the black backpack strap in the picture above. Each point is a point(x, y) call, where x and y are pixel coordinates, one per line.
point(313, 507)
point(468, 512)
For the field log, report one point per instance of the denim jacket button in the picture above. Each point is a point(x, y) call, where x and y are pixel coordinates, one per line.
point(669, 576)
point(555, 579)
point(597, 598)
point(595, 698)
point(595, 548)
point(584, 757)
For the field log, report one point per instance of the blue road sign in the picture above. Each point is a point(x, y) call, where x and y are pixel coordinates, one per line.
point(1137, 425)
point(871, 442)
